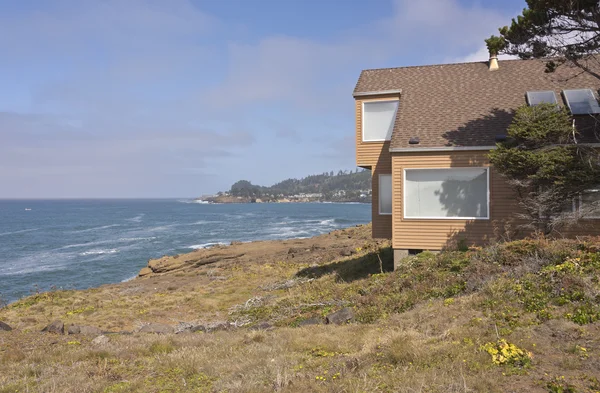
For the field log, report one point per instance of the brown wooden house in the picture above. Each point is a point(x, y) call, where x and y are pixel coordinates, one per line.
point(425, 133)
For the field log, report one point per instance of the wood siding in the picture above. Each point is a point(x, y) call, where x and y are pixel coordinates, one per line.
point(382, 224)
point(369, 154)
point(375, 156)
point(439, 234)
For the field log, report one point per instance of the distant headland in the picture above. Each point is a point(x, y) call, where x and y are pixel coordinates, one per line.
point(345, 186)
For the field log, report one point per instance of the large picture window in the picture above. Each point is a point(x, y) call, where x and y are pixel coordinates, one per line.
point(446, 193)
point(378, 120)
point(385, 194)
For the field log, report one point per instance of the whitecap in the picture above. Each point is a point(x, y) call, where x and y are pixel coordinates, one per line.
point(96, 228)
point(328, 222)
point(97, 243)
point(21, 231)
point(206, 245)
point(99, 252)
point(137, 218)
point(201, 222)
point(135, 239)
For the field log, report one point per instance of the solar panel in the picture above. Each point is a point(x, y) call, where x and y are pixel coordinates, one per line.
point(541, 97)
point(581, 101)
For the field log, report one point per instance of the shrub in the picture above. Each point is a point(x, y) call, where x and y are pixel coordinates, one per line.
point(505, 353)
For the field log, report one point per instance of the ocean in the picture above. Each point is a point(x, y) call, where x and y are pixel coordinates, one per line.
point(77, 244)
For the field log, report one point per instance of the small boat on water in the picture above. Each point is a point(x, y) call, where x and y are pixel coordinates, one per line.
point(27, 209)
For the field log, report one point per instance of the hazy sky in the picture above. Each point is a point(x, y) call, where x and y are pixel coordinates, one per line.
point(178, 98)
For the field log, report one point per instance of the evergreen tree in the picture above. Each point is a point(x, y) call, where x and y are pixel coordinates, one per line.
point(543, 163)
point(565, 30)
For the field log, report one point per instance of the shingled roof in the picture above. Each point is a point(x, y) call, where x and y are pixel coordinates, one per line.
point(466, 104)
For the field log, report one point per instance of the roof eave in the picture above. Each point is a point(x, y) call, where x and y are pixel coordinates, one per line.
point(436, 149)
point(357, 94)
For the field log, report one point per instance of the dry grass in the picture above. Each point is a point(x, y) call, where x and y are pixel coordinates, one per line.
point(419, 329)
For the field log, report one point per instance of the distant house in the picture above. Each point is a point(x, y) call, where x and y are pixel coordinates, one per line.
point(425, 133)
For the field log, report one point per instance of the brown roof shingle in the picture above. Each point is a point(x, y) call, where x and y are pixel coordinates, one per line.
point(466, 104)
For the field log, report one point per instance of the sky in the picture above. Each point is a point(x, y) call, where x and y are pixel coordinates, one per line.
point(181, 98)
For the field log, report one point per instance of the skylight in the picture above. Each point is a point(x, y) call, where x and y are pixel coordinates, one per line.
point(581, 101)
point(541, 97)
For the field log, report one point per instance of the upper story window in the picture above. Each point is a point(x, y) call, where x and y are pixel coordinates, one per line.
point(541, 97)
point(581, 101)
point(378, 120)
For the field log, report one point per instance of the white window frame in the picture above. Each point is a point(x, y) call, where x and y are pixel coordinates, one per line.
point(574, 209)
point(581, 203)
point(487, 170)
point(380, 193)
point(362, 118)
point(540, 91)
point(564, 92)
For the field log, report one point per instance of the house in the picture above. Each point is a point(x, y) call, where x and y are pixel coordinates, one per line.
point(425, 133)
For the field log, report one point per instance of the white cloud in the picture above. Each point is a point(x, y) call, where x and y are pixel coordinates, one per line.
point(137, 91)
point(481, 54)
point(300, 71)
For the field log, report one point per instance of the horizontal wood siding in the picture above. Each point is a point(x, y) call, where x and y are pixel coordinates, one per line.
point(439, 234)
point(382, 224)
point(584, 227)
point(369, 154)
point(377, 157)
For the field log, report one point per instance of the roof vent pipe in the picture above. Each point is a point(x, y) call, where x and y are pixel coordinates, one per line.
point(493, 64)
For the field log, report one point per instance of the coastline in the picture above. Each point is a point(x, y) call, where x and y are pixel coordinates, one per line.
point(170, 272)
point(326, 311)
point(83, 244)
point(219, 252)
point(221, 200)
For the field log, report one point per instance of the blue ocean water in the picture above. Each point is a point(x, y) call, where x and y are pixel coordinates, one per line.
point(75, 244)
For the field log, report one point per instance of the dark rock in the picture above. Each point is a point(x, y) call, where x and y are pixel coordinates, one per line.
point(216, 326)
point(56, 327)
point(183, 327)
point(187, 327)
point(341, 317)
point(311, 321)
point(85, 330)
point(345, 253)
point(4, 327)
point(158, 328)
point(198, 328)
point(101, 340)
point(262, 326)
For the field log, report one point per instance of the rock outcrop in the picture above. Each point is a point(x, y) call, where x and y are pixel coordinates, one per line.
point(311, 321)
point(157, 328)
point(56, 327)
point(341, 317)
point(85, 330)
point(101, 340)
point(194, 259)
point(5, 327)
point(145, 271)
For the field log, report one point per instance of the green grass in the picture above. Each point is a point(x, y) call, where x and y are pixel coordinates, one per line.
point(437, 324)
